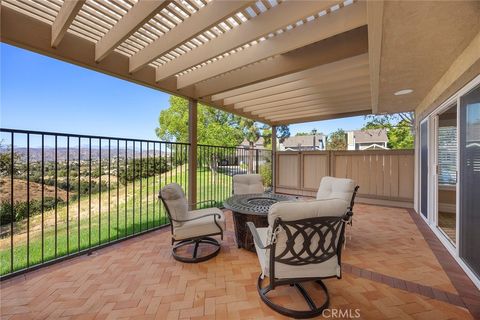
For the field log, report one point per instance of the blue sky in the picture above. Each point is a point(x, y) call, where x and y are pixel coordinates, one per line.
point(41, 93)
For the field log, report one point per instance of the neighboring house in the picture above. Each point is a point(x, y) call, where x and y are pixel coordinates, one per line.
point(242, 155)
point(304, 143)
point(260, 144)
point(370, 139)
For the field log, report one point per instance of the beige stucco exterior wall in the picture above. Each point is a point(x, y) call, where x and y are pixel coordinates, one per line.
point(463, 69)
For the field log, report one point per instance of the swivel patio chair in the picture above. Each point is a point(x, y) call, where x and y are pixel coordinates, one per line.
point(302, 243)
point(196, 227)
point(247, 184)
point(338, 188)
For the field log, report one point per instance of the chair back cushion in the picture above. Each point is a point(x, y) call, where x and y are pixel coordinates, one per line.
point(175, 202)
point(336, 188)
point(297, 210)
point(247, 184)
point(319, 258)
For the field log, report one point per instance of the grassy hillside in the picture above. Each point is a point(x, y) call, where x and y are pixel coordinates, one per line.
point(101, 218)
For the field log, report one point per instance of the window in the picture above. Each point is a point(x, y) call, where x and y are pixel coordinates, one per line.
point(447, 155)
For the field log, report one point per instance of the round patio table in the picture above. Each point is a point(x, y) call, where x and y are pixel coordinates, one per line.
point(251, 208)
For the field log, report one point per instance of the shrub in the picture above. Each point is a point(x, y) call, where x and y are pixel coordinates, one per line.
point(266, 173)
point(5, 215)
point(20, 209)
point(142, 170)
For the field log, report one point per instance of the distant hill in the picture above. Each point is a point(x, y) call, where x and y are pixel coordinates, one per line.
point(49, 153)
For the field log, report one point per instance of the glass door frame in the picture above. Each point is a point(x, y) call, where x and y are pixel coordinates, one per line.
point(434, 208)
point(425, 215)
point(475, 84)
point(433, 193)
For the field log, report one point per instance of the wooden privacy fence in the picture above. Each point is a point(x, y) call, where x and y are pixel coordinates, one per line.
point(381, 174)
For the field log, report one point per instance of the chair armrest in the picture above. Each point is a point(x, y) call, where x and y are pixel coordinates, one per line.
point(348, 216)
point(215, 216)
point(256, 236)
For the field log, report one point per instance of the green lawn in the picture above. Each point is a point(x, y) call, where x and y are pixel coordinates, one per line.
point(141, 211)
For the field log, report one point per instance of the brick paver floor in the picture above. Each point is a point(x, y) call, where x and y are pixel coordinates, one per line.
point(389, 272)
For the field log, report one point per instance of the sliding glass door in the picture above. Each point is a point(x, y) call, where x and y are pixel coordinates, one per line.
point(446, 173)
point(469, 148)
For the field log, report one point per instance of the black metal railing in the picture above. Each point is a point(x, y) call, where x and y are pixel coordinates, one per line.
point(67, 194)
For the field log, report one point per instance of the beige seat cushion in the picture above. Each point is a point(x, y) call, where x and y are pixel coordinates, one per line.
point(336, 188)
point(199, 227)
point(288, 211)
point(247, 184)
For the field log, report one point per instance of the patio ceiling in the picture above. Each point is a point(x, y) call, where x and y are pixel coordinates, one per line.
point(277, 62)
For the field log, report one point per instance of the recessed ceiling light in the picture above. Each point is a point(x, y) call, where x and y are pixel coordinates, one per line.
point(402, 92)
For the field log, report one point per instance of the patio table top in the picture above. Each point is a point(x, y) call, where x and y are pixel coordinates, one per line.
point(258, 203)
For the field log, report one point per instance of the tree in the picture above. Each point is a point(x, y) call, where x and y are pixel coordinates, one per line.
point(283, 132)
point(311, 133)
point(337, 140)
point(215, 127)
point(399, 128)
point(251, 132)
point(6, 160)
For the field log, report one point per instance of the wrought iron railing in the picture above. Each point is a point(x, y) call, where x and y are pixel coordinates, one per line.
point(67, 194)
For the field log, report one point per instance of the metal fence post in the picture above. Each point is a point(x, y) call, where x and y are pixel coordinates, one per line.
point(192, 153)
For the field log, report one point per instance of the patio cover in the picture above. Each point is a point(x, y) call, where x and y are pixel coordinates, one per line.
point(278, 62)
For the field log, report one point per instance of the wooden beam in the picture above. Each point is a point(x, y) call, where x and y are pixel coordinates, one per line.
point(319, 116)
point(303, 119)
point(136, 17)
point(64, 18)
point(314, 103)
point(207, 17)
point(192, 153)
point(328, 80)
point(342, 20)
point(310, 97)
point(339, 66)
point(323, 110)
point(375, 27)
point(346, 45)
point(282, 15)
point(309, 113)
point(356, 85)
point(230, 109)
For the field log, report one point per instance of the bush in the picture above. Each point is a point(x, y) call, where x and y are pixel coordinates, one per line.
point(266, 173)
point(5, 215)
point(20, 209)
point(142, 170)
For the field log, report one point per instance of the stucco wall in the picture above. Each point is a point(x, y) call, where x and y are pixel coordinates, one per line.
point(463, 69)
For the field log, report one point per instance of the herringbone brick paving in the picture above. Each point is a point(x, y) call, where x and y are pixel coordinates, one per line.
point(389, 272)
